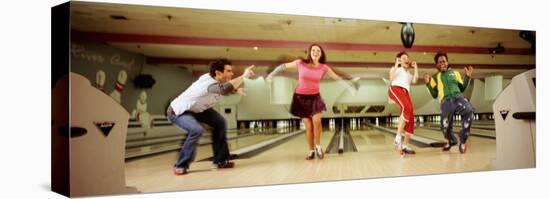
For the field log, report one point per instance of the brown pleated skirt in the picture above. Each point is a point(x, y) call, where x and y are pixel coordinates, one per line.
point(306, 105)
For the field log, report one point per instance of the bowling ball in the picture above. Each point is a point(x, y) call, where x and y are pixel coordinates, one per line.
point(407, 35)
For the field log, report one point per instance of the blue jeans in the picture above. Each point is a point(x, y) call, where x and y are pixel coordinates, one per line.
point(190, 122)
point(461, 106)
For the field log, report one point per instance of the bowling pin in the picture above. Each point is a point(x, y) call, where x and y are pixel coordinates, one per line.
point(140, 113)
point(100, 80)
point(119, 86)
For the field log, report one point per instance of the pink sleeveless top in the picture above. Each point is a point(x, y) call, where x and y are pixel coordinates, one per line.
point(309, 78)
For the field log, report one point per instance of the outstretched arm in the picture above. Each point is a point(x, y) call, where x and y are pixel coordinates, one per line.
point(228, 87)
point(340, 81)
point(236, 82)
point(281, 68)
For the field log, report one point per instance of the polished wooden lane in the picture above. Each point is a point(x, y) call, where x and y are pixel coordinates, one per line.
point(285, 164)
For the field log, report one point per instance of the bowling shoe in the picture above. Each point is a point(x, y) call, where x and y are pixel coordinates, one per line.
point(179, 171)
point(448, 146)
point(407, 150)
point(320, 153)
point(310, 155)
point(225, 165)
point(462, 147)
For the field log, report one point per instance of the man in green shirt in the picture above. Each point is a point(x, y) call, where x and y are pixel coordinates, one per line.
point(447, 85)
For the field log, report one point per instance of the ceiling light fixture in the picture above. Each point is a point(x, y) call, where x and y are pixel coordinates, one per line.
point(118, 17)
point(497, 50)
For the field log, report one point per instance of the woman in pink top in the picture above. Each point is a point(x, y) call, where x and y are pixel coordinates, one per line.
point(401, 80)
point(306, 102)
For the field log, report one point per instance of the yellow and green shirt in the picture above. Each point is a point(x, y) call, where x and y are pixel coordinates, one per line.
point(446, 85)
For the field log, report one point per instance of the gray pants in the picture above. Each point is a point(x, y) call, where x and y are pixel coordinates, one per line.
point(450, 107)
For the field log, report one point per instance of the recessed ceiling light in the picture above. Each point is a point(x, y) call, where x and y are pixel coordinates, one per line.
point(118, 17)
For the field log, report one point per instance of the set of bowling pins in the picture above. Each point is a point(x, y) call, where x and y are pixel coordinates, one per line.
point(255, 124)
point(437, 118)
point(331, 124)
point(354, 123)
point(283, 123)
point(394, 120)
point(140, 112)
point(119, 84)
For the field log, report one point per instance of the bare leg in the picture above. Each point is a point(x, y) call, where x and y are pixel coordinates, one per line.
point(401, 126)
point(309, 131)
point(398, 134)
point(317, 128)
point(407, 139)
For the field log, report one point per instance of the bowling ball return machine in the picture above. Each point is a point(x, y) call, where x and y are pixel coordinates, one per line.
point(88, 140)
point(515, 124)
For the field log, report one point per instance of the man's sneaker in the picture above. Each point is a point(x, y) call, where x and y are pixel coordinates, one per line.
point(224, 165)
point(310, 155)
point(179, 171)
point(448, 146)
point(319, 152)
point(407, 150)
point(462, 148)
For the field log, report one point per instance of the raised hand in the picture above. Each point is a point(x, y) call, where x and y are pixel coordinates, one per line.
point(268, 78)
point(414, 65)
point(468, 71)
point(427, 78)
point(248, 72)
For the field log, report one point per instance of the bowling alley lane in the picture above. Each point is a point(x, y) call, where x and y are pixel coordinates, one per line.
point(285, 163)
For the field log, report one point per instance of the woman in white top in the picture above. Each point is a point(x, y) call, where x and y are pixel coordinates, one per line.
point(401, 80)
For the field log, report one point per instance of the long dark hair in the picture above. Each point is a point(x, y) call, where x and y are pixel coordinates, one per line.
point(309, 60)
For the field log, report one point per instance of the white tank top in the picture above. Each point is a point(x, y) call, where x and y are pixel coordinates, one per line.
point(402, 78)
